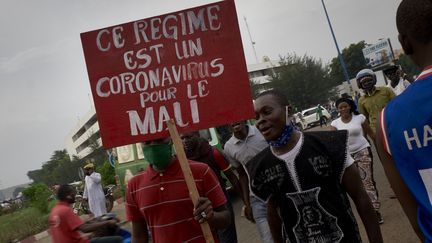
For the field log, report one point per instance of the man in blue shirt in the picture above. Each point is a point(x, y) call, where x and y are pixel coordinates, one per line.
point(404, 131)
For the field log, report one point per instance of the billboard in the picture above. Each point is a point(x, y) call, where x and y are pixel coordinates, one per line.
point(187, 65)
point(379, 53)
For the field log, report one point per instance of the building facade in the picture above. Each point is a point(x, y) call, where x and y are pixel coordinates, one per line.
point(85, 132)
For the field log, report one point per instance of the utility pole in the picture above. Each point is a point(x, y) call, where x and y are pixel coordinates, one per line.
point(341, 60)
point(252, 42)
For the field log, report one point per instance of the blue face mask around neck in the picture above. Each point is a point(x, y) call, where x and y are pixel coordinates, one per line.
point(286, 134)
point(283, 139)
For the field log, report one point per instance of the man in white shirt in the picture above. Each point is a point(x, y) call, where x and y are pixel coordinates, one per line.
point(244, 145)
point(397, 83)
point(93, 191)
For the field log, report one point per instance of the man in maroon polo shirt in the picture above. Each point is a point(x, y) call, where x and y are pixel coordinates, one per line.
point(65, 226)
point(157, 200)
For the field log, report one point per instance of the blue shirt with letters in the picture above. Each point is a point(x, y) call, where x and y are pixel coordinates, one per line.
point(407, 127)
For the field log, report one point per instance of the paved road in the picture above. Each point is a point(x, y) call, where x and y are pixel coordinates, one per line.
point(396, 228)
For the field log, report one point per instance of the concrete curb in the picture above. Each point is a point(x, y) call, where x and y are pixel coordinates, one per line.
point(42, 235)
point(35, 238)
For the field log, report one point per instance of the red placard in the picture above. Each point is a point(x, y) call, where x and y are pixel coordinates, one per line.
point(187, 65)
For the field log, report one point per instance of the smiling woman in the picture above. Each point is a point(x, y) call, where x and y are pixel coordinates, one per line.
point(358, 128)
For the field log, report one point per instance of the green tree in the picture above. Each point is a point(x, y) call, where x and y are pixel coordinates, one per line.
point(107, 173)
point(58, 170)
point(37, 196)
point(52, 168)
point(304, 80)
point(408, 65)
point(98, 156)
point(97, 153)
point(35, 175)
point(69, 171)
point(255, 88)
point(17, 190)
point(354, 61)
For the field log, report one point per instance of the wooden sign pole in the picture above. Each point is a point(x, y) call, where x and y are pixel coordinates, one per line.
point(190, 182)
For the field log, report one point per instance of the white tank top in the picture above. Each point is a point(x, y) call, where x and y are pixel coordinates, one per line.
point(356, 139)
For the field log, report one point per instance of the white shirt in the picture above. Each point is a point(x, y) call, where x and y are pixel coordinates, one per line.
point(239, 152)
point(290, 156)
point(400, 87)
point(94, 192)
point(356, 139)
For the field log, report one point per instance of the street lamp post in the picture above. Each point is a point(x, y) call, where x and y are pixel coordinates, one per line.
point(337, 46)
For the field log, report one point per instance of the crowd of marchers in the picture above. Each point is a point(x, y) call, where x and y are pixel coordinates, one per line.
point(295, 185)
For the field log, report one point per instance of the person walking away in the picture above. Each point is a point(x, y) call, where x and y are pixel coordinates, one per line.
point(305, 177)
point(158, 199)
point(245, 143)
point(198, 149)
point(397, 83)
point(358, 147)
point(404, 135)
point(65, 226)
point(93, 192)
point(319, 115)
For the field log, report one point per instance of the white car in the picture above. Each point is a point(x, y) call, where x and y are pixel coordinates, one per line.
point(308, 118)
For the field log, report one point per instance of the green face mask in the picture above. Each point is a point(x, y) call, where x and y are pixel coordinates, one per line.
point(158, 155)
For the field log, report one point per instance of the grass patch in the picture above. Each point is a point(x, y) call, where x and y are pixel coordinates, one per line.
point(23, 223)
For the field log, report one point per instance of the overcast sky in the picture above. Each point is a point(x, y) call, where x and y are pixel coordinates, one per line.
point(44, 83)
